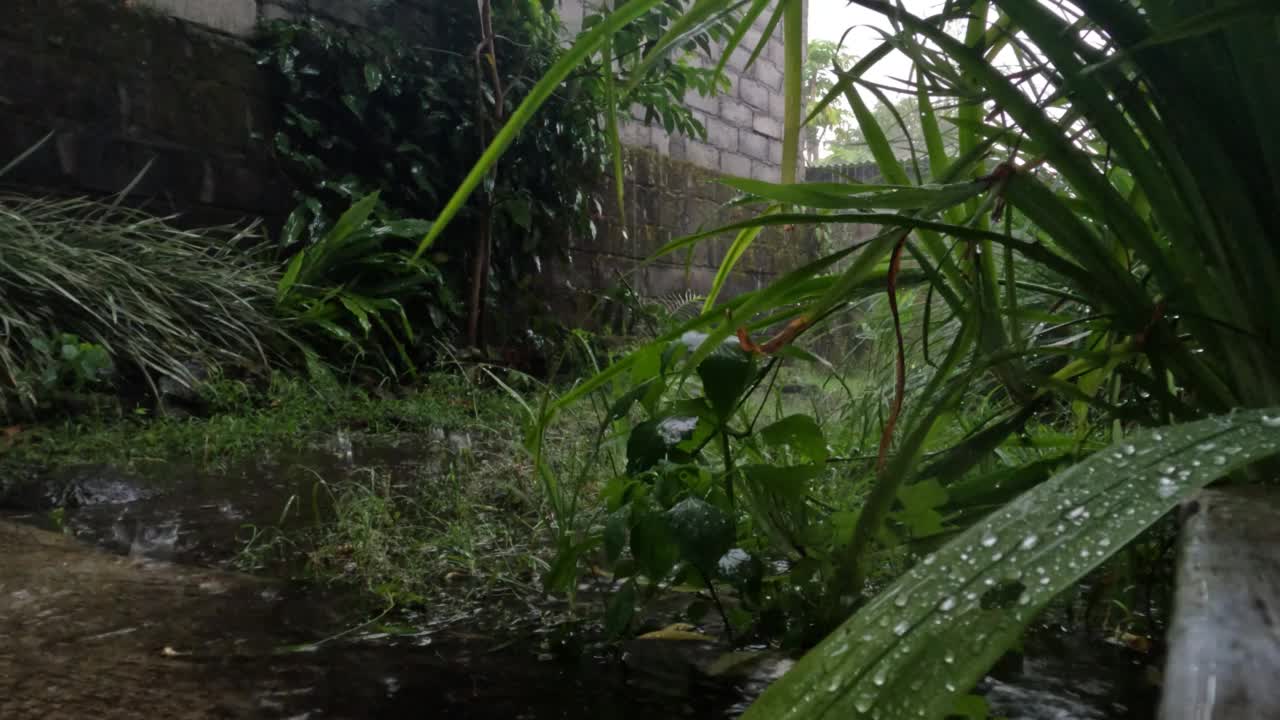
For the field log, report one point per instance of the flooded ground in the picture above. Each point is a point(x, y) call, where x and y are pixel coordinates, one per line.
point(125, 606)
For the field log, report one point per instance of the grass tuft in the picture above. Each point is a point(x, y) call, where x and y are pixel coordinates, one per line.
point(160, 300)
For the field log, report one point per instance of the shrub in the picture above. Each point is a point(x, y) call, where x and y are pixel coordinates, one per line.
point(156, 299)
point(358, 285)
point(407, 117)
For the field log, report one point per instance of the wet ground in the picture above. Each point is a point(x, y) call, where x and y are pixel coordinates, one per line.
point(126, 607)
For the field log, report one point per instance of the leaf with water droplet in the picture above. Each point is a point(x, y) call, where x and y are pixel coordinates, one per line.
point(703, 532)
point(725, 376)
point(1106, 507)
point(656, 440)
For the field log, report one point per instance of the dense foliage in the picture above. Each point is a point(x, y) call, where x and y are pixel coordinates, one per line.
point(406, 116)
point(93, 294)
point(1097, 254)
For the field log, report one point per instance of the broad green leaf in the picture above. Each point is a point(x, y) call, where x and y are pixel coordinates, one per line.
point(293, 227)
point(372, 77)
point(358, 310)
point(656, 440)
point(703, 532)
point(785, 481)
point(290, 276)
point(746, 236)
point(725, 377)
point(351, 220)
point(564, 569)
point(920, 503)
point(622, 607)
point(800, 432)
point(793, 35)
point(652, 544)
point(880, 198)
point(936, 631)
point(611, 130)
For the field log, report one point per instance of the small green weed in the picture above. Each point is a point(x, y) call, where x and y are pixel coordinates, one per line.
point(289, 413)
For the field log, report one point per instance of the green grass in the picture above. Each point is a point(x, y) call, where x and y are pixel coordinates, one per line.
point(473, 532)
point(463, 532)
point(290, 412)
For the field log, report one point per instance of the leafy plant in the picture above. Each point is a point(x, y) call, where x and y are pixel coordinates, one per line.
point(65, 361)
point(407, 116)
point(352, 284)
point(658, 83)
point(1111, 271)
point(151, 297)
point(932, 634)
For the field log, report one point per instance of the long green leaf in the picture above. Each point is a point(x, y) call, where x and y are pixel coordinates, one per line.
point(688, 23)
point(792, 86)
point(744, 25)
point(881, 198)
point(936, 631)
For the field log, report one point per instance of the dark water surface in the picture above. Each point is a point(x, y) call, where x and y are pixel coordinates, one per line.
point(132, 612)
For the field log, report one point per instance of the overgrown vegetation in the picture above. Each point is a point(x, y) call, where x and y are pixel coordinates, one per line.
point(239, 417)
point(406, 117)
point(1071, 325)
point(1096, 253)
point(93, 294)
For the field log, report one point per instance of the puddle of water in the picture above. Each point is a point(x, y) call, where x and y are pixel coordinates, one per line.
point(185, 513)
point(1069, 676)
point(87, 631)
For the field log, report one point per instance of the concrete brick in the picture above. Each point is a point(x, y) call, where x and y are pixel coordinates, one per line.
point(753, 144)
point(768, 73)
point(736, 113)
point(768, 125)
point(754, 93)
point(738, 60)
point(234, 17)
point(634, 134)
point(778, 105)
point(734, 164)
point(694, 99)
point(670, 279)
point(660, 140)
point(766, 171)
point(676, 148)
point(571, 14)
point(702, 154)
point(722, 134)
point(673, 212)
point(775, 152)
point(776, 51)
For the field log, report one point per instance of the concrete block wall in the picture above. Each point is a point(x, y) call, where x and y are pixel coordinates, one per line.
point(665, 199)
point(744, 124)
point(122, 91)
point(171, 86)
